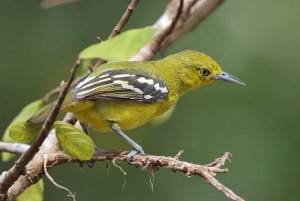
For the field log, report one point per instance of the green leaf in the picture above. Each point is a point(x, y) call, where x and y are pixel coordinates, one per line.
point(24, 132)
point(121, 47)
point(164, 117)
point(33, 193)
point(74, 141)
point(23, 115)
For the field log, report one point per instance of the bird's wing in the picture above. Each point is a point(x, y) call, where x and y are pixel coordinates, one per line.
point(120, 84)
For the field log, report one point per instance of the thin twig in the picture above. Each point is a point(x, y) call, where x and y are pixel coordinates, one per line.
point(119, 26)
point(219, 162)
point(50, 94)
point(13, 174)
point(124, 19)
point(177, 156)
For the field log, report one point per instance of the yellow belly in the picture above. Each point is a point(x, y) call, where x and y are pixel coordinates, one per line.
point(128, 114)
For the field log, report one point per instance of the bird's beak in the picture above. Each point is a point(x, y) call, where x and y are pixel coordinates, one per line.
point(226, 77)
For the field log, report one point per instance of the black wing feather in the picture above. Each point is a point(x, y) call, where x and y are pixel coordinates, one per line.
point(117, 85)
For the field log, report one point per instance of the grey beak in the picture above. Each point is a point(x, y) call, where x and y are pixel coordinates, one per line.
point(226, 77)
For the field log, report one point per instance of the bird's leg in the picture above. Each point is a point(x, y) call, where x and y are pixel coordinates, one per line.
point(85, 127)
point(137, 148)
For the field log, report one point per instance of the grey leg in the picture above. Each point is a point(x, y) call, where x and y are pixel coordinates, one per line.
point(91, 163)
point(85, 128)
point(137, 148)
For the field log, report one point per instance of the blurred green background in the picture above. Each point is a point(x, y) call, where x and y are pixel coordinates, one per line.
point(258, 41)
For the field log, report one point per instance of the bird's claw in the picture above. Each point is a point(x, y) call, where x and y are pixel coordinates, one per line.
point(138, 149)
point(91, 163)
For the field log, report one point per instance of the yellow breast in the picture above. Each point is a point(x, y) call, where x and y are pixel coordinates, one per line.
point(128, 114)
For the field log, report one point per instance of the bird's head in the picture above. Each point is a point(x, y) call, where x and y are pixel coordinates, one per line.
point(197, 69)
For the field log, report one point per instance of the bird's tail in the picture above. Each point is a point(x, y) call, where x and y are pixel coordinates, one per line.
point(41, 115)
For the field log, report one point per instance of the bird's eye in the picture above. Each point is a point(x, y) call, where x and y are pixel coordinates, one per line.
point(204, 71)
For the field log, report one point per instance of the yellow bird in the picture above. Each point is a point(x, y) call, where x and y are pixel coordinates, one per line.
point(120, 96)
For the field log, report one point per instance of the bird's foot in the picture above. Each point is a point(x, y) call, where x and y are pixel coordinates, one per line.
point(91, 163)
point(137, 149)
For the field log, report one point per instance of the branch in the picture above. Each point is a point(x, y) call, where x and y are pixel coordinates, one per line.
point(13, 174)
point(124, 19)
point(144, 162)
point(119, 26)
point(164, 26)
point(174, 23)
point(194, 13)
point(16, 148)
point(35, 173)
